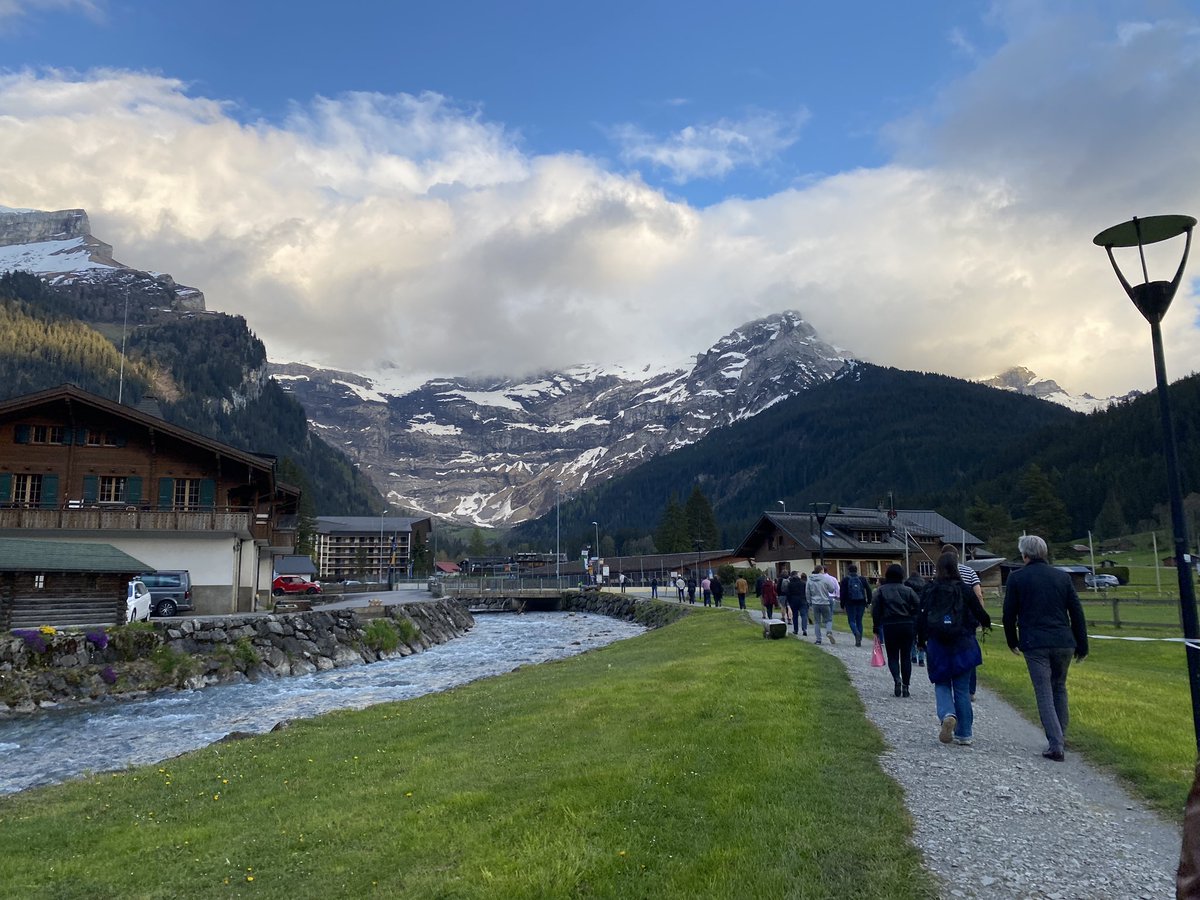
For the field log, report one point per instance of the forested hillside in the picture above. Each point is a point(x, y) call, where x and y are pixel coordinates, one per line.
point(995, 461)
point(205, 369)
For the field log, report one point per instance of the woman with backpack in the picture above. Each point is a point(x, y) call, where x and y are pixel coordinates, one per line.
point(894, 619)
point(950, 613)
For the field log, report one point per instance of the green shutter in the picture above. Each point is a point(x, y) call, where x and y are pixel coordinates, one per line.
point(91, 488)
point(49, 491)
point(80, 435)
point(166, 493)
point(118, 439)
point(133, 490)
point(21, 434)
point(5, 488)
point(208, 493)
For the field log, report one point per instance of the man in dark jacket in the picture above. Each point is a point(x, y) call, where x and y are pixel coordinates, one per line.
point(1043, 619)
point(855, 598)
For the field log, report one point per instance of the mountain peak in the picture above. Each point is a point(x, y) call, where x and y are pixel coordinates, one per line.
point(1021, 380)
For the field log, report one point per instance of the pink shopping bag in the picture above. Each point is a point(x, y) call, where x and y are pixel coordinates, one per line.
point(877, 654)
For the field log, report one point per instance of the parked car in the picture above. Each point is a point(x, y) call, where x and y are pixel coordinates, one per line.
point(137, 602)
point(294, 584)
point(171, 590)
point(1100, 581)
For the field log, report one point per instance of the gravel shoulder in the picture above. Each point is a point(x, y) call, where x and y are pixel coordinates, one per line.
point(995, 819)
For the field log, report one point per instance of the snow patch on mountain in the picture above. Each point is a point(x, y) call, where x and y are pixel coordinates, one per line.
point(1024, 381)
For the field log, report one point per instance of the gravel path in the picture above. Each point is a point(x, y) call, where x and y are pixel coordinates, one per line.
point(995, 819)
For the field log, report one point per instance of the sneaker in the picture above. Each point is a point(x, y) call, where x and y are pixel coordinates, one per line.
point(964, 742)
point(946, 735)
point(829, 634)
point(1056, 755)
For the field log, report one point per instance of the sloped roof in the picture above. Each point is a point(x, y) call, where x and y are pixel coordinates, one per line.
point(841, 526)
point(23, 555)
point(73, 394)
point(298, 564)
point(375, 524)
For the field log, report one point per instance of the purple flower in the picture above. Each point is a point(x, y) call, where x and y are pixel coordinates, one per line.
point(108, 676)
point(99, 639)
point(33, 640)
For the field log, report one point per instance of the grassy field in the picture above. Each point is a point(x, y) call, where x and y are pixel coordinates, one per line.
point(1130, 710)
point(695, 760)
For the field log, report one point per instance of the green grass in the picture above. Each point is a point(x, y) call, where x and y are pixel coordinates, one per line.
point(1130, 710)
point(695, 760)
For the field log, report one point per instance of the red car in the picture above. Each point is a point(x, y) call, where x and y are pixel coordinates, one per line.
point(294, 584)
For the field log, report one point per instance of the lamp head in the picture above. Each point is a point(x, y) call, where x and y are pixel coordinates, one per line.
point(1152, 298)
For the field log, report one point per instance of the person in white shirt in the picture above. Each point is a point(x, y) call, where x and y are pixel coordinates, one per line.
point(823, 592)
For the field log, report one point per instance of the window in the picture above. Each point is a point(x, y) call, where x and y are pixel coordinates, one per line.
point(27, 490)
point(39, 582)
point(187, 493)
point(926, 569)
point(93, 438)
point(869, 537)
point(46, 434)
point(112, 489)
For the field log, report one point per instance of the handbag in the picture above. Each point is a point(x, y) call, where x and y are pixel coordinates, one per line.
point(877, 654)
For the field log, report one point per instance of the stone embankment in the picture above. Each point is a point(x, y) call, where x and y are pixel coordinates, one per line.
point(627, 607)
point(46, 668)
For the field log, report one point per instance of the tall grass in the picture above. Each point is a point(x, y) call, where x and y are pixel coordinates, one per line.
point(696, 760)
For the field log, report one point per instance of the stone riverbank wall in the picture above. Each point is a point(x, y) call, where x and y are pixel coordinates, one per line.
point(650, 613)
point(46, 668)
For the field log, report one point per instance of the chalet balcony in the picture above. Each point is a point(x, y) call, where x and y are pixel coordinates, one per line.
point(229, 520)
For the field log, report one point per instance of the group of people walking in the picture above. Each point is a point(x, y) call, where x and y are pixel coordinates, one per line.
point(934, 624)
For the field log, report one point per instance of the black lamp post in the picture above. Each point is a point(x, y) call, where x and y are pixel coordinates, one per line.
point(821, 511)
point(1153, 298)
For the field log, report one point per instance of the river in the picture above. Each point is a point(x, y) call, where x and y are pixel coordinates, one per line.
point(56, 745)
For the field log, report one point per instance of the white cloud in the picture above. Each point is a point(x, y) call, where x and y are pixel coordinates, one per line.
point(366, 228)
point(711, 150)
point(15, 10)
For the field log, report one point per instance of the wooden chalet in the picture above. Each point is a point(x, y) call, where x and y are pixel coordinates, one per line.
point(869, 538)
point(80, 468)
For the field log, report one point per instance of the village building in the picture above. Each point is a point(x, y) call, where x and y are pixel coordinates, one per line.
point(79, 468)
point(871, 539)
point(369, 548)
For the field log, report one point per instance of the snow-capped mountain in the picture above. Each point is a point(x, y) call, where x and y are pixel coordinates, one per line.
point(494, 452)
point(60, 247)
point(1022, 381)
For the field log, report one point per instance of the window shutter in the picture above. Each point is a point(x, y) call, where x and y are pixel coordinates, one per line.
point(118, 439)
point(49, 491)
point(81, 436)
point(166, 493)
point(21, 434)
point(133, 490)
point(91, 488)
point(208, 493)
point(5, 488)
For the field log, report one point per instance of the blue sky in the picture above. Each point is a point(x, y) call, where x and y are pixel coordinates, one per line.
point(507, 187)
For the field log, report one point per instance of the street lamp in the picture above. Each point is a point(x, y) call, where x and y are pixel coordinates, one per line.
point(1152, 299)
point(597, 551)
point(782, 505)
point(821, 511)
point(557, 534)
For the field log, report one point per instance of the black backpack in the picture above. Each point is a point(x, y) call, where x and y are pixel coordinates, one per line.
point(854, 587)
point(946, 615)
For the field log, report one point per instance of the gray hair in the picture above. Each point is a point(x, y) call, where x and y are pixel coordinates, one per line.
point(1032, 546)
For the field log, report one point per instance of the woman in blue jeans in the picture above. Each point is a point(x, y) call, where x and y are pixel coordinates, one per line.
point(950, 613)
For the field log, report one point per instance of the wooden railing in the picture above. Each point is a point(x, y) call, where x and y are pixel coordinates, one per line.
point(123, 518)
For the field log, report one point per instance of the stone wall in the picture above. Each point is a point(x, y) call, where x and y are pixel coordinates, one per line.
point(40, 670)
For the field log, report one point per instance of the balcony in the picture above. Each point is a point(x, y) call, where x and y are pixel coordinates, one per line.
point(127, 518)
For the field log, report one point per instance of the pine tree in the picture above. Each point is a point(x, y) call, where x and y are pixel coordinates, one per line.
point(700, 520)
point(1045, 513)
point(477, 546)
point(672, 534)
point(1110, 522)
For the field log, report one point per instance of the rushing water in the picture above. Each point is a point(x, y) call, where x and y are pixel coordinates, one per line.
point(57, 745)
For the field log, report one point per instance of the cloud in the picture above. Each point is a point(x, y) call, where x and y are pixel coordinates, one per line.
point(15, 10)
point(367, 228)
point(711, 150)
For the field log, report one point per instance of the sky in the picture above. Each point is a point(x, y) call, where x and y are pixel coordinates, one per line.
point(506, 188)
